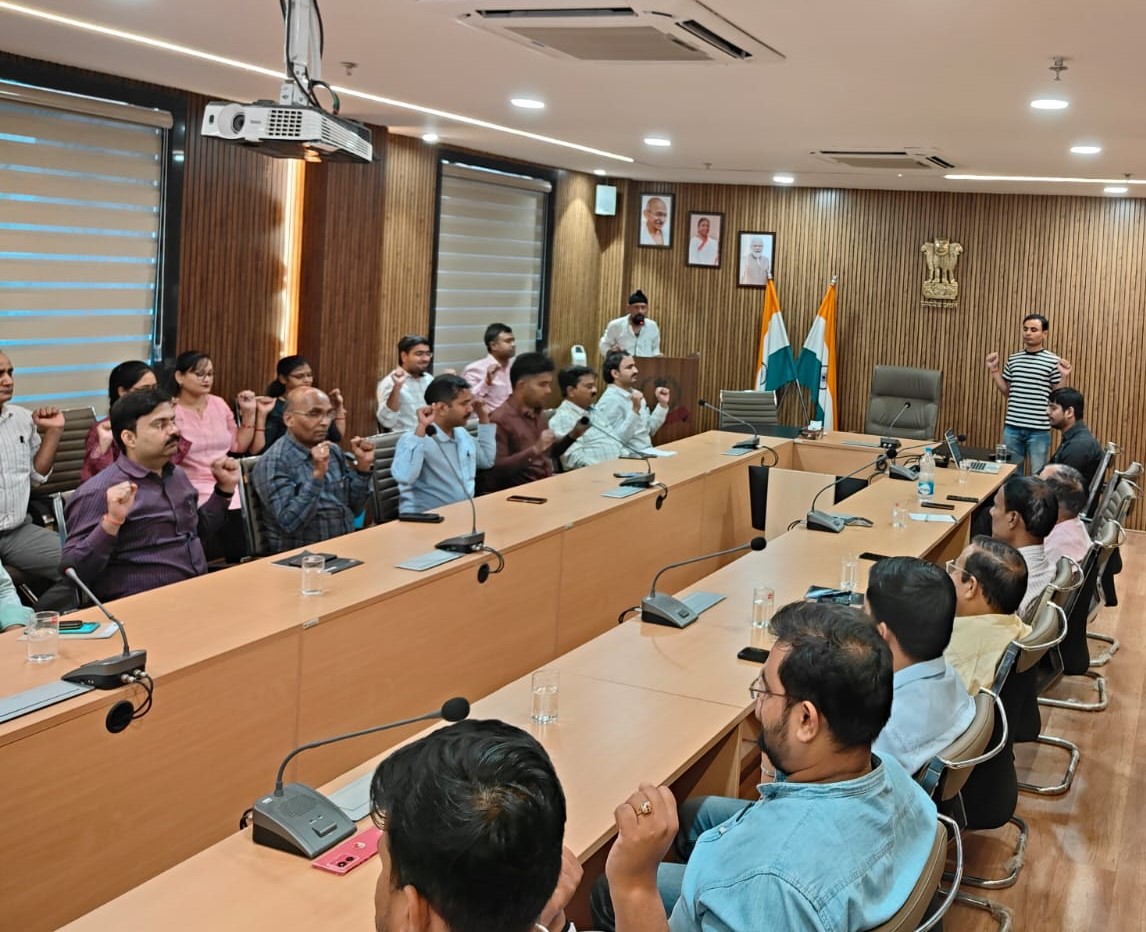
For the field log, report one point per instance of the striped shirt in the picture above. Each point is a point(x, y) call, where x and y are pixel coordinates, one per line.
point(1031, 377)
point(19, 442)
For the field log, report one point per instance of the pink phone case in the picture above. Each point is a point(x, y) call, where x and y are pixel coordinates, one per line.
point(343, 858)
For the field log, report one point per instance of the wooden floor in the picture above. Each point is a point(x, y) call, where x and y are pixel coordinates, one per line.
point(1085, 864)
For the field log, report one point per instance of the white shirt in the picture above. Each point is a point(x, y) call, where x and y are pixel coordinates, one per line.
point(411, 398)
point(708, 254)
point(1040, 571)
point(1068, 538)
point(593, 446)
point(619, 332)
point(635, 428)
point(19, 441)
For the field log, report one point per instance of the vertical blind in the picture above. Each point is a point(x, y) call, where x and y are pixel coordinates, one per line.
point(490, 260)
point(81, 195)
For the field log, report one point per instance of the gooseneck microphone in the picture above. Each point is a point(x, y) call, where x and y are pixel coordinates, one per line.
point(826, 521)
point(475, 539)
point(111, 672)
point(659, 608)
point(639, 482)
point(740, 444)
point(299, 819)
point(894, 421)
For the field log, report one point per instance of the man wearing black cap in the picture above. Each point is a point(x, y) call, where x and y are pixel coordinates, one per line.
point(634, 334)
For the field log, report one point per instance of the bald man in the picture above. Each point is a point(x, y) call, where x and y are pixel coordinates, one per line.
point(308, 491)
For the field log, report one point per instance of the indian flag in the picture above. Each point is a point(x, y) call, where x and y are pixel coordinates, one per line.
point(817, 367)
point(774, 365)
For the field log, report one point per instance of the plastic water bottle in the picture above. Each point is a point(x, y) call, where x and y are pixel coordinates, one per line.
point(925, 483)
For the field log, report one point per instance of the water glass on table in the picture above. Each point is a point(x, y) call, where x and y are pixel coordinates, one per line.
point(1001, 454)
point(43, 635)
point(848, 565)
point(543, 689)
point(964, 472)
point(313, 569)
point(898, 516)
point(763, 605)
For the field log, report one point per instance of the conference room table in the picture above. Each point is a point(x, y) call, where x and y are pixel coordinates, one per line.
point(637, 703)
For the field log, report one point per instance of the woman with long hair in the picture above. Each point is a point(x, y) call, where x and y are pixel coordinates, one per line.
point(100, 448)
point(294, 372)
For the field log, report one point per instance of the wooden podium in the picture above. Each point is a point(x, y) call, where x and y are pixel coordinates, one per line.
point(682, 375)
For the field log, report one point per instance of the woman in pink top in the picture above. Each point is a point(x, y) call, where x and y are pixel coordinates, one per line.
point(207, 422)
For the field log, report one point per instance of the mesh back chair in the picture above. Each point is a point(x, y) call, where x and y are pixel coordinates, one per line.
point(66, 467)
point(1111, 536)
point(946, 775)
point(1020, 694)
point(383, 485)
point(1068, 579)
point(1099, 481)
point(891, 388)
point(909, 915)
point(757, 408)
point(252, 509)
point(1074, 651)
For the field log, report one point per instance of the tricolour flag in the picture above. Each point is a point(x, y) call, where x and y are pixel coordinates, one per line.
point(774, 364)
point(817, 366)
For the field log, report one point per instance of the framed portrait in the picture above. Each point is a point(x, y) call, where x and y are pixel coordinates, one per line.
point(757, 255)
point(655, 221)
point(704, 239)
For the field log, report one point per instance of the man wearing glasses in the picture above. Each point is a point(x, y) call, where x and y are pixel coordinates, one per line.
point(837, 841)
point(308, 491)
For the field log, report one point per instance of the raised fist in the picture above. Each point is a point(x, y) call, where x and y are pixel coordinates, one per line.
point(120, 501)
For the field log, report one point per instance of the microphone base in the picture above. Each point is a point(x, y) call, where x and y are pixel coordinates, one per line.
point(108, 673)
point(825, 521)
point(753, 444)
point(895, 471)
point(662, 609)
point(639, 482)
point(463, 543)
point(300, 821)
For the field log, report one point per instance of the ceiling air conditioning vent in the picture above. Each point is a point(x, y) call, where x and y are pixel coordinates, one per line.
point(678, 31)
point(910, 158)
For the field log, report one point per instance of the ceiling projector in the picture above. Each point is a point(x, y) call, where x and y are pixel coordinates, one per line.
point(289, 132)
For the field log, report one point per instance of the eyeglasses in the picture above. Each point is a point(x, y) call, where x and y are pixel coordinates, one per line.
point(316, 414)
point(204, 376)
point(951, 566)
point(761, 691)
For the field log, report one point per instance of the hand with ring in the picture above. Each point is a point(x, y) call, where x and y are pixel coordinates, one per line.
point(646, 826)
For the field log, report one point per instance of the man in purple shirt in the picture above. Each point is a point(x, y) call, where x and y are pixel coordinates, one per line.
point(488, 378)
point(135, 526)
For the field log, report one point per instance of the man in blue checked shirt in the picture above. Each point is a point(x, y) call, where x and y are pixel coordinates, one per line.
point(308, 490)
point(436, 463)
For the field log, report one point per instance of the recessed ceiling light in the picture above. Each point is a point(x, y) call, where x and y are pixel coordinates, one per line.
point(1050, 103)
point(1116, 189)
point(527, 103)
point(599, 171)
point(784, 179)
point(430, 137)
point(1046, 179)
point(1086, 150)
point(658, 141)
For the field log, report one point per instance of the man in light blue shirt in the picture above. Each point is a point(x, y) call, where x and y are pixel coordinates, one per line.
point(837, 842)
point(913, 605)
point(436, 463)
point(622, 409)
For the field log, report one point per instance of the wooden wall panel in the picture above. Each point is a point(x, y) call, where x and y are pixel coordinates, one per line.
point(340, 281)
point(234, 227)
point(575, 269)
point(407, 248)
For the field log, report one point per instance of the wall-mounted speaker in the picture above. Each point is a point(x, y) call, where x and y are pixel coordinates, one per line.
point(606, 201)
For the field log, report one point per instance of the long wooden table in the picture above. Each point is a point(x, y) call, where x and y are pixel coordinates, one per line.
point(246, 667)
point(637, 703)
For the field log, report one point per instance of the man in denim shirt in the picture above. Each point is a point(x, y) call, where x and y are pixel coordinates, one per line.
point(913, 605)
point(837, 842)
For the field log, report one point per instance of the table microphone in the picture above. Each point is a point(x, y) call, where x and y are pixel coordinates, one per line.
point(299, 819)
point(659, 608)
point(111, 672)
point(895, 420)
point(825, 520)
point(639, 482)
point(740, 444)
point(475, 539)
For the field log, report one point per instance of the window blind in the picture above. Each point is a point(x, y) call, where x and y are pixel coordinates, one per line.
point(490, 260)
point(81, 188)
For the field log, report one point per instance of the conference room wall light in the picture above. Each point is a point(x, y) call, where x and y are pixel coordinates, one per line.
point(72, 22)
point(1086, 149)
point(291, 258)
point(1039, 179)
point(784, 179)
point(658, 142)
point(527, 103)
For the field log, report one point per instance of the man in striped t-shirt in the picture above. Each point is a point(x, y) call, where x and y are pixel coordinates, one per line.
point(1026, 381)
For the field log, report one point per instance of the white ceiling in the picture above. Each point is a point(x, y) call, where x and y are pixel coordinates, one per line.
point(954, 76)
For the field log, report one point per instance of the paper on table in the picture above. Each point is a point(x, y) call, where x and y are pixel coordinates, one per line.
point(623, 491)
point(427, 561)
point(106, 630)
point(941, 519)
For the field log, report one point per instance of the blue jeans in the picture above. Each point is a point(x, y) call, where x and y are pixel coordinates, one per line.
point(1022, 442)
point(697, 816)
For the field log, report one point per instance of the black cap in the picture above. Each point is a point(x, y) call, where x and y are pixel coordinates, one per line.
point(638, 297)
